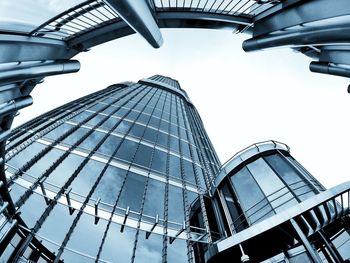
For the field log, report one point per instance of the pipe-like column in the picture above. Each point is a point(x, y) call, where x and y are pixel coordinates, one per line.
point(310, 36)
point(38, 70)
point(15, 105)
point(328, 68)
point(137, 14)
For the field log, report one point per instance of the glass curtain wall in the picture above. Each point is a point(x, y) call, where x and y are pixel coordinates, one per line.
point(111, 176)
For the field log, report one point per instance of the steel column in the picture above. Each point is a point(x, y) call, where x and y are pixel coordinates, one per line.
point(138, 15)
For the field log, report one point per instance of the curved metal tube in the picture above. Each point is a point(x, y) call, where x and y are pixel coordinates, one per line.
point(328, 68)
point(16, 105)
point(39, 70)
point(321, 36)
point(137, 14)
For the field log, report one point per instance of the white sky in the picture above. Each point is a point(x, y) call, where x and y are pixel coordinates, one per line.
point(242, 98)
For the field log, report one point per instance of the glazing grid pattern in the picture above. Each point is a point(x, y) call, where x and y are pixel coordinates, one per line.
point(168, 123)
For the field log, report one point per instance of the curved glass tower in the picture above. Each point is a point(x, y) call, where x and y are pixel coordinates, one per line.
point(111, 177)
point(270, 209)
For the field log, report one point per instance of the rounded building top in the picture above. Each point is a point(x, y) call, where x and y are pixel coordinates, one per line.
point(245, 154)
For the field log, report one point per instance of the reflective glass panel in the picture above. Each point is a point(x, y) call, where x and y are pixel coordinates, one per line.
point(109, 186)
point(274, 189)
point(32, 209)
point(86, 178)
point(250, 196)
point(118, 245)
point(53, 231)
point(154, 202)
point(90, 233)
point(175, 202)
point(132, 192)
point(149, 250)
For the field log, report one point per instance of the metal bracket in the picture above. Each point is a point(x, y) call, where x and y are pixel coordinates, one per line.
point(172, 239)
point(125, 217)
point(148, 233)
point(71, 209)
point(41, 183)
point(96, 210)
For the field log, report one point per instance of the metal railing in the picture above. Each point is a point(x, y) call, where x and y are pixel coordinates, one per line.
point(77, 20)
point(226, 7)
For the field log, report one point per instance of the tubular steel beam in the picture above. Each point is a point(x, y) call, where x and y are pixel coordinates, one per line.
point(314, 37)
point(138, 16)
point(329, 68)
point(38, 70)
point(314, 22)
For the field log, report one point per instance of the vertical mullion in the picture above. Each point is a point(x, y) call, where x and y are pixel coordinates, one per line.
point(124, 179)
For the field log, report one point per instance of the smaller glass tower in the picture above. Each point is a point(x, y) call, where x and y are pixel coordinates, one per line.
point(269, 208)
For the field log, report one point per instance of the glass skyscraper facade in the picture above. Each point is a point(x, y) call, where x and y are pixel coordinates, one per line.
point(128, 174)
point(111, 177)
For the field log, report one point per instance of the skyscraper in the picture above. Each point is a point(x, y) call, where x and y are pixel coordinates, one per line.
point(111, 177)
point(128, 174)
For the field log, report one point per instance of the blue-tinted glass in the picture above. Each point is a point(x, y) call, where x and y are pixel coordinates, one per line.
point(109, 145)
point(97, 107)
point(143, 155)
point(95, 120)
point(109, 123)
point(150, 135)
point(118, 245)
point(149, 250)
point(137, 130)
point(58, 131)
point(127, 150)
point(290, 176)
point(54, 231)
point(109, 186)
point(76, 135)
point(86, 238)
point(162, 139)
point(22, 157)
point(64, 170)
point(133, 115)
point(174, 144)
point(159, 161)
point(32, 209)
point(174, 167)
point(249, 194)
point(17, 191)
point(154, 201)
point(188, 171)
point(175, 202)
point(81, 116)
point(87, 177)
point(123, 127)
point(91, 141)
point(44, 163)
point(272, 186)
point(185, 149)
point(177, 251)
point(132, 192)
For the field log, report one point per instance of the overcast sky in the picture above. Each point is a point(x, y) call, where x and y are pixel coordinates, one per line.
point(242, 98)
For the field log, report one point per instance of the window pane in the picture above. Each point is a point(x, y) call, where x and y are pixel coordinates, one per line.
point(53, 231)
point(274, 189)
point(249, 195)
point(149, 250)
point(90, 233)
point(132, 192)
point(118, 245)
point(154, 202)
point(109, 186)
point(176, 209)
